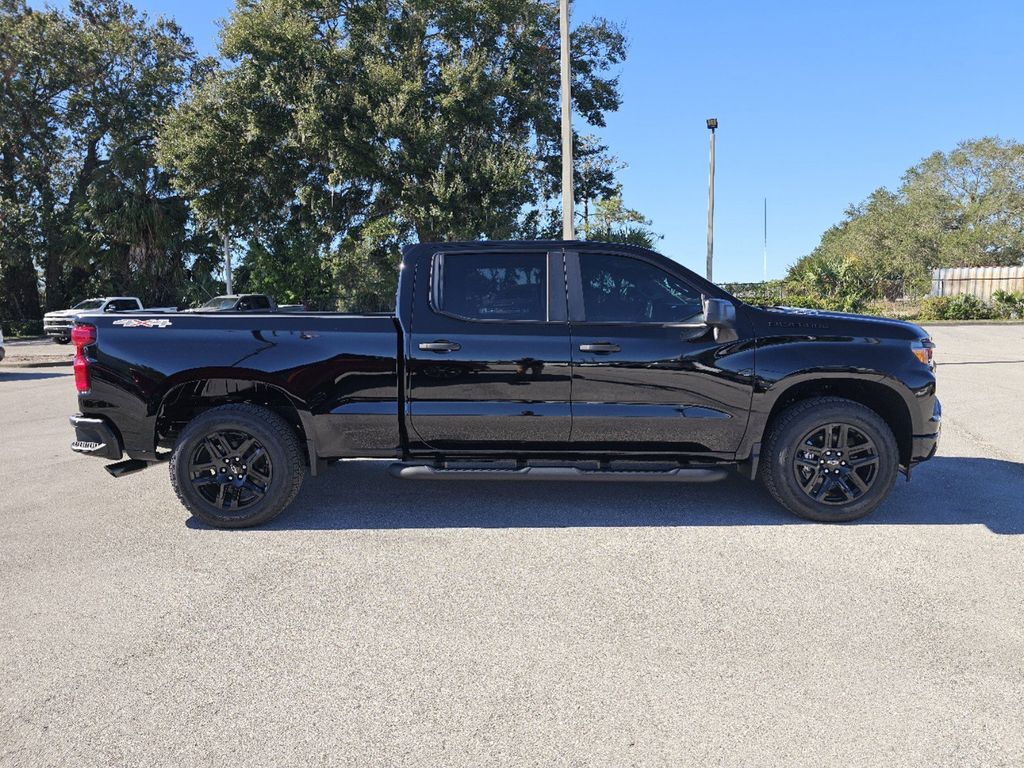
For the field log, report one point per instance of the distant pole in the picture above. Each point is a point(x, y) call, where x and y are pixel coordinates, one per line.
point(568, 226)
point(712, 125)
point(766, 239)
point(227, 265)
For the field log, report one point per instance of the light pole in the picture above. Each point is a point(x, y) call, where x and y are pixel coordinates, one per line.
point(227, 265)
point(712, 125)
point(568, 228)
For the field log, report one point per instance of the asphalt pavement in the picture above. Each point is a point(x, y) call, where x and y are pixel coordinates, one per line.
point(382, 622)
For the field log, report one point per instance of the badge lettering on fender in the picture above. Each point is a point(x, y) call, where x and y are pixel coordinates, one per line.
point(133, 323)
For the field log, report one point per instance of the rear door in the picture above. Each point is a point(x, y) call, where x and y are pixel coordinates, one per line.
point(648, 374)
point(488, 360)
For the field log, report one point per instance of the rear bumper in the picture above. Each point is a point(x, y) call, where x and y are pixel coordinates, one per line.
point(95, 437)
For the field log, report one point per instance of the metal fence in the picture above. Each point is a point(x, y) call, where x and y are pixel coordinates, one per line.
point(981, 282)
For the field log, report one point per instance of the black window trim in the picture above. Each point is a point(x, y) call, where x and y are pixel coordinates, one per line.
point(556, 305)
point(574, 277)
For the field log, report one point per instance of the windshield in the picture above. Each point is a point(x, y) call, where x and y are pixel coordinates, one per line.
point(89, 304)
point(220, 302)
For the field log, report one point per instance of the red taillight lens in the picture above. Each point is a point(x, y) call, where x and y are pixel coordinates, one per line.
point(81, 336)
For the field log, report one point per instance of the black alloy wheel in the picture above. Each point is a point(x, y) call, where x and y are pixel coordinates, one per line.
point(835, 464)
point(237, 465)
point(230, 469)
point(829, 459)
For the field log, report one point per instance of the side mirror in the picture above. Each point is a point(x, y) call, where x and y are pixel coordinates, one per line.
point(720, 314)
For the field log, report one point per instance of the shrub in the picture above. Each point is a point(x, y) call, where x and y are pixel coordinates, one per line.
point(14, 329)
point(1008, 305)
point(962, 307)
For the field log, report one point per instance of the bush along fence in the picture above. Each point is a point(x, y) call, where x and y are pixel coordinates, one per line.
point(974, 293)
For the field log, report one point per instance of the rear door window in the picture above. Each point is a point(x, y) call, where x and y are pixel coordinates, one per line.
point(505, 286)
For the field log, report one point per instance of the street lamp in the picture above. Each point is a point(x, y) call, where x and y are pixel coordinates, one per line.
point(568, 228)
point(712, 125)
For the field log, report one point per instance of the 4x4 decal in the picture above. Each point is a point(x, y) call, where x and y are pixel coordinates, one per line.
point(133, 323)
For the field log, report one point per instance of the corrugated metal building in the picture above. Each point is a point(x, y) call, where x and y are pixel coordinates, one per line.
point(977, 281)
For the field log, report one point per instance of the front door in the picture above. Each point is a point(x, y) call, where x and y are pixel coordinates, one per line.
point(648, 374)
point(488, 355)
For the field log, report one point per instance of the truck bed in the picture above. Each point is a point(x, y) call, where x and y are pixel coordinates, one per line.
point(332, 366)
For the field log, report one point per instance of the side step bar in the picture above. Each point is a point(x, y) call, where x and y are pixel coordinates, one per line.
point(678, 475)
point(127, 467)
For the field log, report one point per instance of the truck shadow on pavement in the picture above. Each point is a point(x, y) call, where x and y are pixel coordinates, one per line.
point(17, 374)
point(361, 495)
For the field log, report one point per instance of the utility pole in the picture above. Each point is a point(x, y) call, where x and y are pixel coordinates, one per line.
point(712, 125)
point(227, 265)
point(568, 225)
point(766, 239)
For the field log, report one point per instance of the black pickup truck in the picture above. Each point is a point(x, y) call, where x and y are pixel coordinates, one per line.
point(514, 360)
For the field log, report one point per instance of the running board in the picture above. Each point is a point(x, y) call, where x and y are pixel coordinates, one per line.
point(678, 475)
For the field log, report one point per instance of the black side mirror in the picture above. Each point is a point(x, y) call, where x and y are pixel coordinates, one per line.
point(720, 314)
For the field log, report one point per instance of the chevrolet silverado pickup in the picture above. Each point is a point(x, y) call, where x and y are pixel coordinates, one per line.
point(517, 361)
point(57, 324)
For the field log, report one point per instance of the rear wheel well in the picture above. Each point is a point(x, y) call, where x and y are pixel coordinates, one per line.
point(883, 400)
point(185, 401)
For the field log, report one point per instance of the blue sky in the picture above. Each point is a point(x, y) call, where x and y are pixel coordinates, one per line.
point(818, 104)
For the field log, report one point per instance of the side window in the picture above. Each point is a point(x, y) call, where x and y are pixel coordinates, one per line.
point(260, 302)
point(244, 305)
point(506, 286)
point(618, 289)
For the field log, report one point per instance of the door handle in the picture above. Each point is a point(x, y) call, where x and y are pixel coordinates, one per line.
point(601, 348)
point(440, 346)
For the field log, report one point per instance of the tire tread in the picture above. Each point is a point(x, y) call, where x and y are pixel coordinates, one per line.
point(780, 432)
point(280, 430)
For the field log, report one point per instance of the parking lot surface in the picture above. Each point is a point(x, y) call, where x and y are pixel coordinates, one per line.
point(36, 352)
point(381, 622)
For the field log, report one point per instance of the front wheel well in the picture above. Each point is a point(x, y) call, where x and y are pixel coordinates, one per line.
point(185, 401)
point(883, 400)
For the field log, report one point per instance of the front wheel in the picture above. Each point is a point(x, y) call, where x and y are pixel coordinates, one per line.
point(830, 459)
point(237, 465)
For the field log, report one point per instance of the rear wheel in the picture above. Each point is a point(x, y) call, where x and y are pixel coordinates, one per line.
point(237, 465)
point(830, 459)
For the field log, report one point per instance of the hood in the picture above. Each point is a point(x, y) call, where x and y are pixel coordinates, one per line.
point(64, 313)
point(847, 322)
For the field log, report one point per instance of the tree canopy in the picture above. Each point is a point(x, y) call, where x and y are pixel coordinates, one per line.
point(83, 203)
point(953, 209)
point(421, 119)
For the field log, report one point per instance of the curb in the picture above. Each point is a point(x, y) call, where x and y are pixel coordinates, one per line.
point(41, 364)
point(923, 323)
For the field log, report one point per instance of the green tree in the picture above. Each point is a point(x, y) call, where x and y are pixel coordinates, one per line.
point(437, 119)
point(83, 199)
point(962, 208)
point(615, 223)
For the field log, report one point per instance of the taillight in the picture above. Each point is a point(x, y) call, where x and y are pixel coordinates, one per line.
point(82, 336)
point(923, 350)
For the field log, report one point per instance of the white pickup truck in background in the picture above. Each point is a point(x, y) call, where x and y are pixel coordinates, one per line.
point(57, 325)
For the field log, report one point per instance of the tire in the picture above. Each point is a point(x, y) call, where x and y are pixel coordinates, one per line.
point(811, 469)
point(61, 339)
point(237, 466)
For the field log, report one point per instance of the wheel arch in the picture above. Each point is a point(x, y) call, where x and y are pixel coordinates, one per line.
point(872, 393)
point(186, 399)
